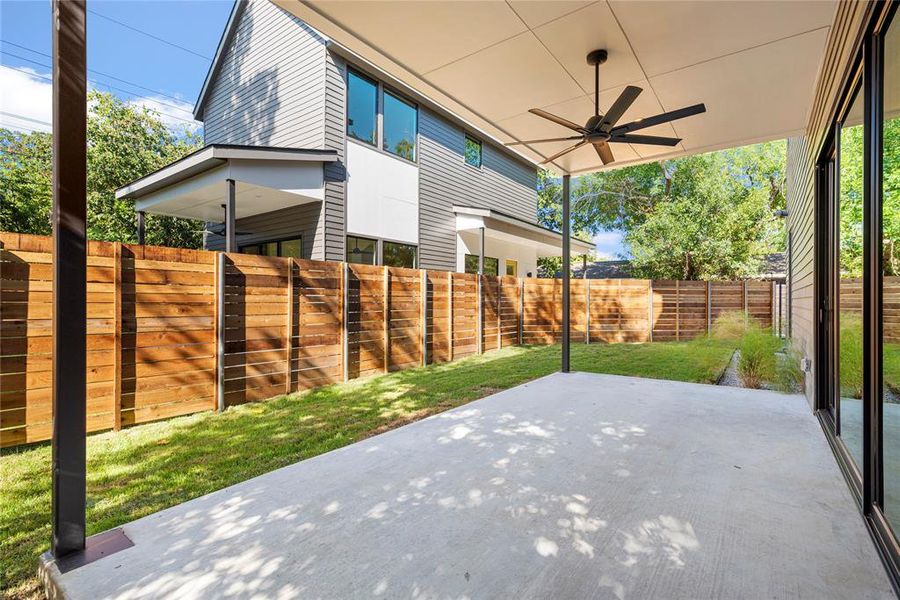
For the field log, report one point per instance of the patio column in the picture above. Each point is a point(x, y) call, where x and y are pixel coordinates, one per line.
point(140, 228)
point(481, 251)
point(566, 275)
point(230, 244)
point(69, 187)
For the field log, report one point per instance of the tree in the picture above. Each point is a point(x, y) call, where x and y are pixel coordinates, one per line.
point(698, 217)
point(124, 143)
point(549, 190)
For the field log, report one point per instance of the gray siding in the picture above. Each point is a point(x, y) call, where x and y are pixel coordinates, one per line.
point(333, 222)
point(802, 153)
point(290, 222)
point(445, 180)
point(269, 87)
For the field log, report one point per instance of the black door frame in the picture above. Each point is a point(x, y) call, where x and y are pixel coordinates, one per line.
point(866, 481)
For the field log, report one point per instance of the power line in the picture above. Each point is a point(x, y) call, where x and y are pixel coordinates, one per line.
point(46, 66)
point(125, 81)
point(149, 35)
point(99, 83)
point(24, 118)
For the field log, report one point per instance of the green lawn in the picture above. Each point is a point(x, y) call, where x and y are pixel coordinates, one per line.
point(144, 469)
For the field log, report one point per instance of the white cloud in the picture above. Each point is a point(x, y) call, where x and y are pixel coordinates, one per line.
point(31, 98)
point(608, 244)
point(27, 96)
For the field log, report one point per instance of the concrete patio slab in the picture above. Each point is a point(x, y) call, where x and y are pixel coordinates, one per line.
point(572, 486)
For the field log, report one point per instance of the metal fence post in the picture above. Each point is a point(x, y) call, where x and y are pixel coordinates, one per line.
point(650, 309)
point(708, 307)
point(479, 324)
point(521, 310)
point(677, 311)
point(746, 311)
point(386, 307)
point(587, 311)
point(345, 320)
point(289, 345)
point(450, 316)
point(423, 285)
point(499, 317)
point(117, 340)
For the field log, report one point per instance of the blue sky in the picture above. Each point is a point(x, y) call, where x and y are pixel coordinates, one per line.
point(158, 74)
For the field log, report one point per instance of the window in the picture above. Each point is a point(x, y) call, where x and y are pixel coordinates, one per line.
point(398, 255)
point(399, 127)
point(491, 265)
point(291, 248)
point(362, 108)
point(473, 152)
point(512, 268)
point(362, 250)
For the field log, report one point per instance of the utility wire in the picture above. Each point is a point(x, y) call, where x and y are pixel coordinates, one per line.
point(24, 118)
point(98, 83)
point(149, 35)
point(125, 81)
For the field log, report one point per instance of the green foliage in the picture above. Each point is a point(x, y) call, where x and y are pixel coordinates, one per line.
point(850, 354)
point(730, 326)
point(124, 143)
point(700, 217)
point(789, 377)
point(757, 363)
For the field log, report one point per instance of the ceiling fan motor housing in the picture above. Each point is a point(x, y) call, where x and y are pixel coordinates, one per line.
point(596, 57)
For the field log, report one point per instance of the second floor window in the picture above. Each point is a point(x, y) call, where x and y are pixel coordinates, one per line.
point(399, 127)
point(362, 94)
point(473, 152)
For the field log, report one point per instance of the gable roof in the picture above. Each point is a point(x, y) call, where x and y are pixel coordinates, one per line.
point(227, 35)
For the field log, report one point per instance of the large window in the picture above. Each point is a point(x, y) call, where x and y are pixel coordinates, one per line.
point(890, 314)
point(491, 264)
point(362, 108)
point(399, 128)
point(473, 152)
point(362, 250)
point(398, 255)
point(292, 248)
point(849, 388)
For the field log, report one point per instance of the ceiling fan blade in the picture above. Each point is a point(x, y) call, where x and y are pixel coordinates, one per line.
point(622, 103)
point(659, 119)
point(650, 140)
point(557, 120)
point(562, 139)
point(604, 152)
point(566, 151)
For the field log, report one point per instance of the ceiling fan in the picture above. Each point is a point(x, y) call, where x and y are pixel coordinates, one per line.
point(602, 130)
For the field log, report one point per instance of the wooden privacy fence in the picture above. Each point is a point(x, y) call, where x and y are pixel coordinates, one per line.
point(172, 331)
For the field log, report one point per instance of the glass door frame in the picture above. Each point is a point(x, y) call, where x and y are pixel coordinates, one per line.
point(866, 481)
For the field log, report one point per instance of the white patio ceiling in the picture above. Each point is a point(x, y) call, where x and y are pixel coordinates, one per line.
point(754, 64)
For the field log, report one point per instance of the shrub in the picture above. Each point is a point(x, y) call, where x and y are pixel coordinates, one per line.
point(789, 377)
point(730, 326)
point(851, 355)
point(757, 363)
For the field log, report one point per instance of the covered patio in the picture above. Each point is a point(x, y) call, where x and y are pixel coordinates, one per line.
point(571, 486)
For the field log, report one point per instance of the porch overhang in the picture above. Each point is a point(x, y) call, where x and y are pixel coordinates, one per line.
point(266, 179)
point(507, 228)
point(753, 64)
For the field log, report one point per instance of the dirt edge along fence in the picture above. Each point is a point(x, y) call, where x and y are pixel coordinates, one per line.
point(174, 331)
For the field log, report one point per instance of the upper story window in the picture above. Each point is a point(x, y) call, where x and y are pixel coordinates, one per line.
point(362, 108)
point(400, 123)
point(473, 152)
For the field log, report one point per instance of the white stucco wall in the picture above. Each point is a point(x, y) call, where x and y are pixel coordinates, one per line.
point(524, 254)
point(382, 195)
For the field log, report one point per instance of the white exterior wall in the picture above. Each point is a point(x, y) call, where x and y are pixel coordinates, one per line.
point(524, 253)
point(382, 195)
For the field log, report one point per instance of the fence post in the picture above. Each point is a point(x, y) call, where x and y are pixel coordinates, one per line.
point(772, 303)
point(423, 288)
point(587, 310)
point(220, 331)
point(499, 307)
point(521, 310)
point(677, 310)
point(117, 339)
point(449, 316)
point(746, 312)
point(289, 345)
point(479, 323)
point(650, 309)
point(345, 319)
point(708, 307)
point(386, 317)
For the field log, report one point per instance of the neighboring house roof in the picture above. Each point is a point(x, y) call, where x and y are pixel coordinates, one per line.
point(213, 156)
point(228, 35)
point(773, 266)
point(606, 269)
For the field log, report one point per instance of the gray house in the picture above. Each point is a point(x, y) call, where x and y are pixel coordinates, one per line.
point(323, 156)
